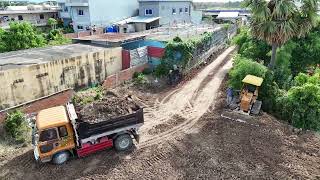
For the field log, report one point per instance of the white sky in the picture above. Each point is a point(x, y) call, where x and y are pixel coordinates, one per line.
point(215, 0)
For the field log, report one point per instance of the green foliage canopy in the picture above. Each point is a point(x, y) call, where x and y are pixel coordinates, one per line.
point(21, 36)
point(243, 67)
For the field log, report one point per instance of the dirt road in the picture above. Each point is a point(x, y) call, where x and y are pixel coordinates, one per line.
point(185, 137)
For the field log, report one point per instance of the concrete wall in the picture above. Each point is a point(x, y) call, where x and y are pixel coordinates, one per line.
point(149, 5)
point(164, 10)
point(122, 76)
point(140, 27)
point(106, 12)
point(33, 18)
point(83, 20)
point(32, 82)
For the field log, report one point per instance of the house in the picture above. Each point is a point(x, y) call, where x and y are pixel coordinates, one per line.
point(170, 11)
point(37, 15)
point(83, 14)
point(155, 13)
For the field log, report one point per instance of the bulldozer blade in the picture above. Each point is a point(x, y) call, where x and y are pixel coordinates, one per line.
point(255, 110)
point(233, 119)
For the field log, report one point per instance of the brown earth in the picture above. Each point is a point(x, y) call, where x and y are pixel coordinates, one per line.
point(111, 105)
point(186, 136)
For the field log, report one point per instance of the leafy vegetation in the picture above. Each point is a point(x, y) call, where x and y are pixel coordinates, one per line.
point(287, 92)
point(88, 95)
point(278, 21)
point(302, 102)
point(16, 126)
point(53, 23)
point(180, 52)
point(22, 35)
point(242, 67)
point(139, 78)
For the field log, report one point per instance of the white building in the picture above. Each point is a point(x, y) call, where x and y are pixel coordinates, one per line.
point(37, 15)
point(83, 14)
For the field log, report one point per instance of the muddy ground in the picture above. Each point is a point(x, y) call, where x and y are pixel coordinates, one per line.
point(185, 137)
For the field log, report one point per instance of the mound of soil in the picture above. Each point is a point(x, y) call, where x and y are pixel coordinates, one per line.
point(110, 106)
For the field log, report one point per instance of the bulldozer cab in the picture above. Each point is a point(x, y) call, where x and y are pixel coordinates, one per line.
point(249, 94)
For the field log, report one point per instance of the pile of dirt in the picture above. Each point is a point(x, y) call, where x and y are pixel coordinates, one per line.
point(111, 105)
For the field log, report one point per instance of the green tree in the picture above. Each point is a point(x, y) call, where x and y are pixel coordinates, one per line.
point(53, 23)
point(21, 36)
point(2, 44)
point(251, 47)
point(277, 21)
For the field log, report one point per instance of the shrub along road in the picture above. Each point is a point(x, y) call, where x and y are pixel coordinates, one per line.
point(185, 137)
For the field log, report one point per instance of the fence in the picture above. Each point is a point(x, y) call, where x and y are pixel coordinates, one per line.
point(83, 33)
point(219, 40)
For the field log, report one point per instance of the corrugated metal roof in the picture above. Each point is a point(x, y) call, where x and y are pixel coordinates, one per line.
point(138, 19)
point(228, 15)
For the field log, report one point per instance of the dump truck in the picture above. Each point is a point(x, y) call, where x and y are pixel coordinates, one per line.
point(58, 134)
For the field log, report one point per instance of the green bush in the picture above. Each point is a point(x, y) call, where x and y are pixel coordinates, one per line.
point(250, 47)
point(162, 69)
point(147, 71)
point(243, 67)
point(139, 78)
point(301, 105)
point(282, 72)
point(16, 126)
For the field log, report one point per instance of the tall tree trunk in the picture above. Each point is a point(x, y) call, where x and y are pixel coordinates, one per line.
point(273, 56)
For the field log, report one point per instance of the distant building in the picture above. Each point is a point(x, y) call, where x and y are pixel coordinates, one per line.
point(84, 14)
point(170, 11)
point(37, 15)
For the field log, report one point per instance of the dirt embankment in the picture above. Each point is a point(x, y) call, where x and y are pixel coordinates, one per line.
point(110, 105)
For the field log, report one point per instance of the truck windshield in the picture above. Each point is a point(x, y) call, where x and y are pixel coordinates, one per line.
point(48, 135)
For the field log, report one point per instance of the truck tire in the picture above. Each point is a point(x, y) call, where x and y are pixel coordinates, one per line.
point(60, 157)
point(123, 142)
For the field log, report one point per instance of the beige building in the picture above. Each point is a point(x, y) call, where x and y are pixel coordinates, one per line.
point(30, 74)
point(37, 15)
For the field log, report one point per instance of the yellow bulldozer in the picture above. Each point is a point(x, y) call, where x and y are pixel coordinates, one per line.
point(246, 102)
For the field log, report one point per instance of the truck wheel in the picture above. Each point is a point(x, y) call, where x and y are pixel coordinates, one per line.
point(123, 142)
point(60, 157)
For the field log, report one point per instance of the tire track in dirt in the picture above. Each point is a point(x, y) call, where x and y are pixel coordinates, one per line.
point(180, 101)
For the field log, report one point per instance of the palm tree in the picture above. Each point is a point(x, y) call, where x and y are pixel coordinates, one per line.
point(277, 21)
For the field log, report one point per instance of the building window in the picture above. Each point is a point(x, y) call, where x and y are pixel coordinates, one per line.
point(80, 27)
point(20, 18)
point(148, 12)
point(65, 9)
point(80, 12)
point(186, 9)
point(41, 16)
point(180, 10)
point(174, 11)
point(63, 131)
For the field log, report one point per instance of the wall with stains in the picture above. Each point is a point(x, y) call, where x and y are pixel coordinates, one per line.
point(31, 82)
